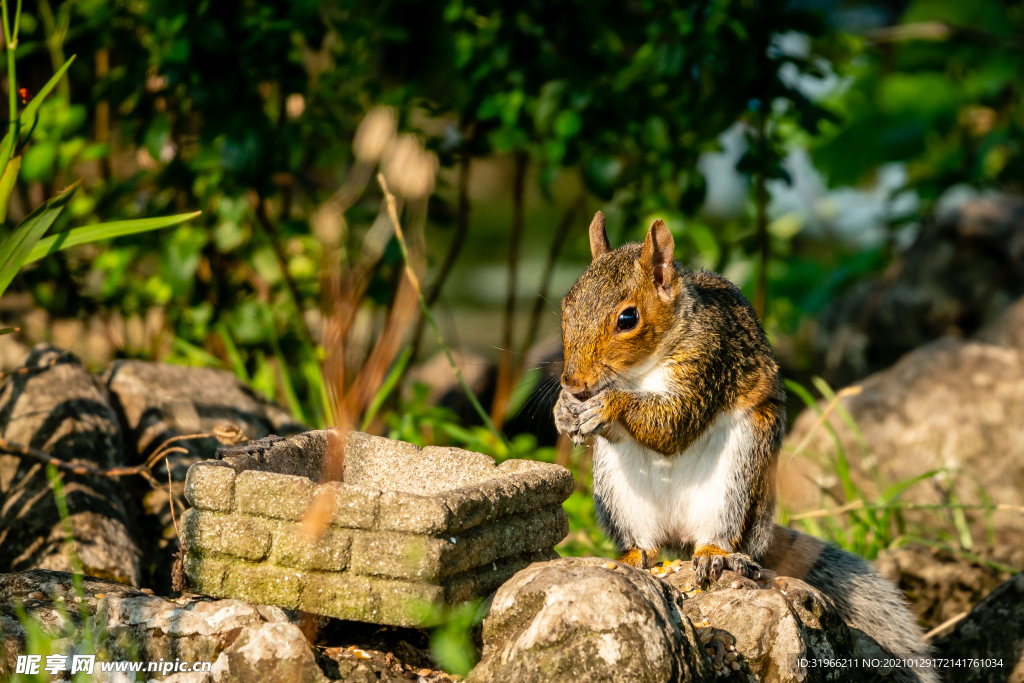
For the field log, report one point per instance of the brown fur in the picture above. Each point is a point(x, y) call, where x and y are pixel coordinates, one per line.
point(792, 553)
point(699, 326)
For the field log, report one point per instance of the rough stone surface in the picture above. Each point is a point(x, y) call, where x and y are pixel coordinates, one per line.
point(957, 276)
point(60, 408)
point(938, 584)
point(389, 555)
point(573, 620)
point(157, 402)
point(241, 641)
point(160, 401)
point(993, 631)
point(950, 404)
point(576, 619)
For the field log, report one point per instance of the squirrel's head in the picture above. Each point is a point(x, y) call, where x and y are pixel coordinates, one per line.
point(617, 313)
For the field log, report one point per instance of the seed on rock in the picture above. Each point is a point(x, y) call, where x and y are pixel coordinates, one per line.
point(736, 584)
point(100, 596)
point(710, 651)
point(735, 666)
point(731, 648)
point(78, 598)
point(730, 656)
point(36, 595)
point(147, 591)
point(607, 565)
point(360, 654)
point(423, 672)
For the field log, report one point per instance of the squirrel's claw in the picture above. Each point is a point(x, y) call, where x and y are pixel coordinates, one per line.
point(743, 565)
point(710, 567)
point(566, 417)
point(593, 416)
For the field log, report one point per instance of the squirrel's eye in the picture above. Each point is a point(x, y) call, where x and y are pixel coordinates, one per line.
point(628, 318)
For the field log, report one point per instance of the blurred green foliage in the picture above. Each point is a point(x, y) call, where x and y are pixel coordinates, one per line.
point(246, 110)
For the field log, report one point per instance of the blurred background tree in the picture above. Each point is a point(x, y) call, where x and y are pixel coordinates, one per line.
point(796, 147)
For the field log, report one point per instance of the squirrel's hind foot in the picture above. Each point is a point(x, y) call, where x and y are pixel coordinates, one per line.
point(640, 557)
point(709, 561)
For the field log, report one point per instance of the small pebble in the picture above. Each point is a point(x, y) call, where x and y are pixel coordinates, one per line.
point(36, 595)
point(736, 584)
point(78, 598)
point(731, 648)
point(735, 666)
point(730, 657)
point(59, 598)
point(147, 591)
point(607, 565)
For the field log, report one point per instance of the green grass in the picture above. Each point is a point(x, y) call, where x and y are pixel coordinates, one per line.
point(864, 525)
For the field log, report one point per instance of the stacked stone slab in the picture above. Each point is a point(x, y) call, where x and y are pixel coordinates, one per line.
point(411, 530)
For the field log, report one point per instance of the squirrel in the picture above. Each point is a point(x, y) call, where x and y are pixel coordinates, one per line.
point(670, 373)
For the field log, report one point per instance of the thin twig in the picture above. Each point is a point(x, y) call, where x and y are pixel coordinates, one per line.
point(859, 505)
point(506, 365)
point(390, 199)
point(170, 498)
point(557, 243)
point(944, 625)
point(142, 470)
point(160, 451)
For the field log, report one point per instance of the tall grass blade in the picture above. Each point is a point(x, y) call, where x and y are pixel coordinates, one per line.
point(103, 231)
point(385, 389)
point(16, 247)
point(29, 112)
point(7, 181)
point(237, 364)
point(282, 366)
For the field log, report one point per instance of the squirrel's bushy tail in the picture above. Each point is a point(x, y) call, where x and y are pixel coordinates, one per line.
point(873, 606)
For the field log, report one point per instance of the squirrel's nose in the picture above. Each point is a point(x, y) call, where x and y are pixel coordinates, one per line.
point(581, 392)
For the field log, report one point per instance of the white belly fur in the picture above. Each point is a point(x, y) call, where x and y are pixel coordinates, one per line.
point(657, 500)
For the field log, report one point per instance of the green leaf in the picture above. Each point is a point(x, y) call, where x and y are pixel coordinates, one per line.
point(7, 184)
point(9, 330)
point(29, 112)
point(102, 231)
point(17, 247)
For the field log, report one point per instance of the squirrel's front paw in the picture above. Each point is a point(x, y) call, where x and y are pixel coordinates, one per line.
point(567, 419)
point(709, 561)
point(595, 415)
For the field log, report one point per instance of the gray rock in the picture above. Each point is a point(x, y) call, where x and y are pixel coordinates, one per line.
point(959, 274)
point(159, 401)
point(990, 639)
point(61, 409)
point(951, 404)
point(242, 642)
point(575, 619)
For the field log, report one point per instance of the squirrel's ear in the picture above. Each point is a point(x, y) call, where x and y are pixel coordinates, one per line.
point(598, 238)
point(658, 253)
